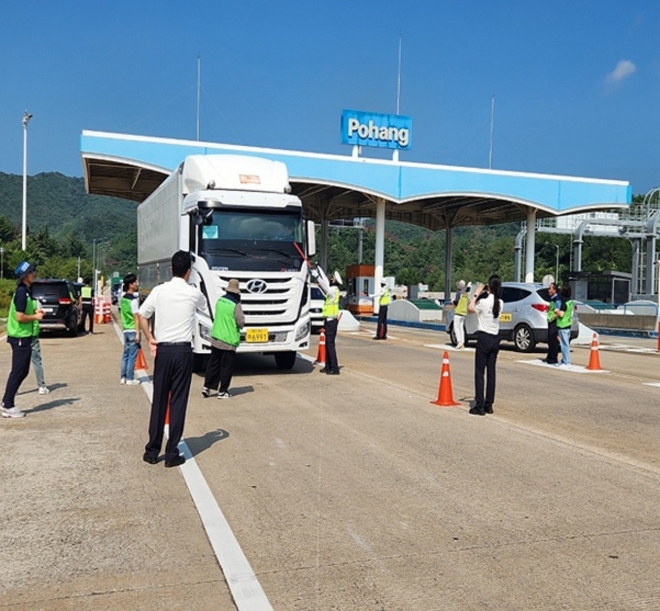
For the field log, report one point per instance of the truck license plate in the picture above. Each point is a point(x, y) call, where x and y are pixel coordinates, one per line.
point(256, 336)
point(505, 317)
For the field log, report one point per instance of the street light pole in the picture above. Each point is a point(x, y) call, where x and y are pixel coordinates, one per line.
point(2, 263)
point(557, 265)
point(26, 119)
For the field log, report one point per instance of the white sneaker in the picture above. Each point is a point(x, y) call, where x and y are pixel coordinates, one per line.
point(224, 395)
point(122, 381)
point(11, 412)
point(132, 382)
point(43, 390)
point(460, 346)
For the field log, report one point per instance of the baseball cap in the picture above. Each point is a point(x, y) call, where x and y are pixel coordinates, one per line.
point(24, 268)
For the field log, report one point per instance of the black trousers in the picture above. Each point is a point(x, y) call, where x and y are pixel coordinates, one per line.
point(21, 354)
point(485, 358)
point(172, 376)
point(87, 312)
point(220, 369)
point(553, 343)
point(381, 332)
point(330, 348)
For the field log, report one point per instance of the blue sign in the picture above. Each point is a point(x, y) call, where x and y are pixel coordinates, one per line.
point(375, 129)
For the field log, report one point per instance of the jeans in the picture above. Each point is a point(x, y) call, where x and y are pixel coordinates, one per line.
point(37, 362)
point(129, 356)
point(564, 339)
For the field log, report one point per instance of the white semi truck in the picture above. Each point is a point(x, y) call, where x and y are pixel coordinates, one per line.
point(237, 217)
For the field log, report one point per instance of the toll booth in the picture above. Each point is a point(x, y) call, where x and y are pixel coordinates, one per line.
point(606, 286)
point(360, 284)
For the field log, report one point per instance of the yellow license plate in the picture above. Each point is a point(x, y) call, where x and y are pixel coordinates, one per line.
point(505, 317)
point(256, 336)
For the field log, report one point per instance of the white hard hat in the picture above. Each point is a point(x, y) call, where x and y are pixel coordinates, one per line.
point(337, 277)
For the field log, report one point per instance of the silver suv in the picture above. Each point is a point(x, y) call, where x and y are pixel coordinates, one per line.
point(523, 320)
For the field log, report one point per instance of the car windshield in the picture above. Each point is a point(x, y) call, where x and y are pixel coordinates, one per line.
point(261, 240)
point(42, 289)
point(317, 293)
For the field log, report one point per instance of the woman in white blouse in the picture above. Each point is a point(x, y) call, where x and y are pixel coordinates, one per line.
point(487, 305)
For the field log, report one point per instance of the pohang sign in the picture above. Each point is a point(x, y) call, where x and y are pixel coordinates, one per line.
point(374, 129)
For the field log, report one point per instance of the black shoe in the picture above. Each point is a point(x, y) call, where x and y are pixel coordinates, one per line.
point(152, 460)
point(175, 462)
point(477, 412)
point(488, 410)
point(324, 370)
point(332, 373)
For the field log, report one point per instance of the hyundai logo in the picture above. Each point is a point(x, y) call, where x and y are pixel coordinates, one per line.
point(256, 285)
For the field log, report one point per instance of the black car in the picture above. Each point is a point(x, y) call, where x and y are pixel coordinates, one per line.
point(61, 303)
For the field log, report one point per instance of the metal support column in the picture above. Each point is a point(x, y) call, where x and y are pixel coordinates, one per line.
point(380, 249)
point(531, 245)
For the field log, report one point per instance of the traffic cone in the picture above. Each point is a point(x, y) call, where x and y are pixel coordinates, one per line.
point(141, 362)
point(594, 359)
point(445, 395)
point(107, 312)
point(167, 411)
point(98, 311)
point(320, 356)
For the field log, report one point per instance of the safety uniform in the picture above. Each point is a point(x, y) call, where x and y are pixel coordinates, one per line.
point(553, 332)
point(87, 307)
point(128, 308)
point(564, 323)
point(383, 303)
point(331, 314)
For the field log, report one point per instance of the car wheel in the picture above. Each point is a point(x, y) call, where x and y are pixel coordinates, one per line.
point(73, 329)
point(523, 339)
point(452, 335)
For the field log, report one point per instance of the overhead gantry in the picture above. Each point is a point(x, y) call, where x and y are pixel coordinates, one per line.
point(334, 187)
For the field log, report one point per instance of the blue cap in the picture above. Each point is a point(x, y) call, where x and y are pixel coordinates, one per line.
point(24, 268)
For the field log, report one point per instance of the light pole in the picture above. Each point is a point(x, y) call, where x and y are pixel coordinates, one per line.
point(2, 263)
point(557, 265)
point(26, 119)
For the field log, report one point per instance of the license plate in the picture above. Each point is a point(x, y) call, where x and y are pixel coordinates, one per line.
point(256, 336)
point(505, 317)
point(48, 310)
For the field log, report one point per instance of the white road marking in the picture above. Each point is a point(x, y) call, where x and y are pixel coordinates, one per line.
point(243, 583)
point(652, 384)
point(571, 369)
point(448, 347)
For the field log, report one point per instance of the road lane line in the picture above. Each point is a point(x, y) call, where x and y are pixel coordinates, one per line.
point(571, 369)
point(241, 579)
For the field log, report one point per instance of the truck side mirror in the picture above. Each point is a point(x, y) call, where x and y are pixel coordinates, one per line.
point(311, 239)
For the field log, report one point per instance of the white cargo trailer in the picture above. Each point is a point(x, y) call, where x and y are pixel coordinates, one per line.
point(237, 217)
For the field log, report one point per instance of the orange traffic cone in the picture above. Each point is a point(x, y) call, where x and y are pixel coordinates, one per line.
point(320, 356)
point(594, 359)
point(167, 411)
point(141, 362)
point(107, 312)
point(445, 395)
point(98, 312)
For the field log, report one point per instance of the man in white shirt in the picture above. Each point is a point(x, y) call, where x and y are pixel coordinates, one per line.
point(174, 303)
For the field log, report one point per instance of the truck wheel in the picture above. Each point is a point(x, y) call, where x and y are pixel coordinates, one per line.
point(285, 360)
point(523, 339)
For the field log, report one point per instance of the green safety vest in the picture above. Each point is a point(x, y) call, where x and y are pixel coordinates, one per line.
point(385, 298)
point(127, 320)
point(462, 305)
point(21, 329)
point(564, 322)
point(331, 306)
point(86, 294)
point(551, 310)
point(224, 325)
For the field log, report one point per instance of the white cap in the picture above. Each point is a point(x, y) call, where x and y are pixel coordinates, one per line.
point(337, 277)
point(461, 284)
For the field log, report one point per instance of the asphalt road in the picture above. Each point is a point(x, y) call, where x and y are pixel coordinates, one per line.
point(351, 492)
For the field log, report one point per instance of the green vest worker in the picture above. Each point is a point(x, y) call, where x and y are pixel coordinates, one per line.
point(128, 310)
point(225, 338)
point(87, 294)
point(564, 321)
point(20, 328)
point(331, 315)
point(383, 303)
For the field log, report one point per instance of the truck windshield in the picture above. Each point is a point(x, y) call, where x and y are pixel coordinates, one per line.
point(252, 240)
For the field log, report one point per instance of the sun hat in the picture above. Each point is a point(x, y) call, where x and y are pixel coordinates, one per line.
point(460, 284)
point(232, 287)
point(24, 268)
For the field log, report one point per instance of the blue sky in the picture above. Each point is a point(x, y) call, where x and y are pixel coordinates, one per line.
point(576, 83)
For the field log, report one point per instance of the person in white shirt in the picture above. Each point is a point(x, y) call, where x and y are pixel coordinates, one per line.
point(174, 303)
point(488, 306)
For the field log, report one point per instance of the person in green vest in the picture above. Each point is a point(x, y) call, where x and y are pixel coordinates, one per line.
point(460, 312)
point(553, 333)
point(20, 328)
point(128, 310)
point(330, 312)
point(87, 294)
point(225, 338)
point(383, 302)
point(564, 321)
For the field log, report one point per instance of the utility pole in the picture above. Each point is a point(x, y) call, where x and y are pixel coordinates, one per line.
point(26, 119)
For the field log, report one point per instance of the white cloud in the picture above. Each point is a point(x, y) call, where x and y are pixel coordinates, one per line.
point(622, 71)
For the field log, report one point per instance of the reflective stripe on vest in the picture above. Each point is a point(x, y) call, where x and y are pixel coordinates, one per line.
point(224, 325)
point(331, 306)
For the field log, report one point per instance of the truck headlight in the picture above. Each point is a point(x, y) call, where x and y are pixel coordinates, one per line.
point(302, 331)
point(205, 333)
